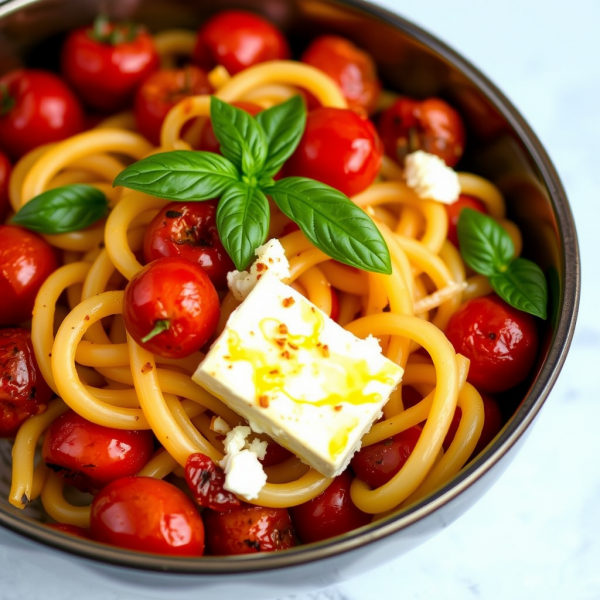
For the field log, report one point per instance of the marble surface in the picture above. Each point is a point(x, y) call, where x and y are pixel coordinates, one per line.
point(536, 533)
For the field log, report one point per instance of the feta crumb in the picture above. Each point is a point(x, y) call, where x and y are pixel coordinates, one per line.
point(219, 425)
point(270, 257)
point(429, 176)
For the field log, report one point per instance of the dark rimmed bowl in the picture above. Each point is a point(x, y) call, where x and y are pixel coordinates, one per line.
point(501, 146)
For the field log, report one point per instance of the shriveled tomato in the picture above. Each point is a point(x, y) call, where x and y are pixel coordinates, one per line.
point(454, 211)
point(107, 62)
point(189, 230)
point(206, 480)
point(237, 39)
point(36, 108)
point(500, 341)
point(171, 307)
point(339, 148)
point(79, 532)
point(88, 456)
point(149, 515)
point(431, 125)
point(26, 260)
point(5, 170)
point(329, 514)
point(247, 530)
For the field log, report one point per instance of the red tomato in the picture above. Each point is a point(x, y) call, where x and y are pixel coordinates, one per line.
point(237, 40)
point(189, 230)
point(275, 454)
point(329, 514)
point(452, 429)
point(106, 63)
point(339, 148)
point(335, 305)
point(5, 170)
point(79, 532)
point(499, 340)
point(206, 480)
point(247, 530)
point(88, 456)
point(171, 307)
point(26, 260)
point(36, 107)
point(454, 211)
point(161, 92)
point(149, 515)
point(431, 125)
point(350, 67)
point(12, 416)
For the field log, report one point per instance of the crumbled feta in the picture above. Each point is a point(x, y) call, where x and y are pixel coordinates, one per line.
point(219, 425)
point(429, 176)
point(270, 258)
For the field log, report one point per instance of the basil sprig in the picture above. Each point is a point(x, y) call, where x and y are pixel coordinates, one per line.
point(63, 209)
point(487, 248)
point(254, 149)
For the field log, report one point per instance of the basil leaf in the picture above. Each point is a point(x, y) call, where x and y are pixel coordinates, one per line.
point(180, 175)
point(283, 125)
point(64, 209)
point(242, 139)
point(523, 286)
point(484, 244)
point(243, 222)
point(333, 223)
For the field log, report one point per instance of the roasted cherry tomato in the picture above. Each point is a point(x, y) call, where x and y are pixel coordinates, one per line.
point(329, 514)
point(107, 62)
point(36, 107)
point(88, 456)
point(206, 480)
point(5, 170)
point(500, 341)
point(171, 307)
point(247, 530)
point(454, 211)
point(79, 532)
point(237, 40)
point(149, 515)
point(26, 260)
point(275, 454)
point(161, 92)
point(12, 416)
point(189, 230)
point(350, 67)
point(339, 148)
point(431, 125)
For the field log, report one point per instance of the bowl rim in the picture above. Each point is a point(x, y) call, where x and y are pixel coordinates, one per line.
point(561, 340)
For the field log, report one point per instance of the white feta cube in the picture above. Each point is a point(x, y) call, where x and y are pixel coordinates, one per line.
point(431, 179)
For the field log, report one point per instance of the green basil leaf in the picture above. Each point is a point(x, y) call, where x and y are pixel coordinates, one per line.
point(180, 175)
point(283, 125)
point(242, 139)
point(64, 209)
point(484, 244)
point(333, 223)
point(243, 222)
point(523, 286)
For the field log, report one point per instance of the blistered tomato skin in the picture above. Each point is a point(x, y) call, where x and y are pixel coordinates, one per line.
point(339, 148)
point(5, 171)
point(205, 480)
point(456, 208)
point(88, 456)
point(237, 40)
point(149, 515)
point(500, 341)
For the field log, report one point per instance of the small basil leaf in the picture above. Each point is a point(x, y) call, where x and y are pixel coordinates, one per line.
point(180, 175)
point(241, 137)
point(243, 222)
point(333, 223)
point(64, 209)
point(283, 125)
point(484, 244)
point(523, 286)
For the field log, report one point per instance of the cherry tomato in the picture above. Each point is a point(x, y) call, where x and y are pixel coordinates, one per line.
point(149, 515)
point(106, 63)
point(247, 530)
point(329, 514)
point(171, 307)
point(161, 92)
point(26, 260)
point(237, 40)
point(275, 454)
point(5, 170)
point(189, 230)
point(36, 107)
point(12, 416)
point(454, 211)
point(431, 125)
point(206, 480)
point(339, 148)
point(88, 456)
point(350, 67)
point(79, 532)
point(499, 340)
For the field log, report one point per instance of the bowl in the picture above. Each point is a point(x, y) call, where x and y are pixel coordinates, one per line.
point(501, 146)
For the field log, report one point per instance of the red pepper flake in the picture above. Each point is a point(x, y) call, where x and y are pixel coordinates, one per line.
point(261, 266)
point(258, 276)
point(263, 400)
point(325, 350)
point(147, 367)
point(283, 328)
point(337, 408)
point(293, 346)
point(285, 354)
point(274, 372)
point(312, 309)
point(287, 302)
point(280, 342)
point(86, 318)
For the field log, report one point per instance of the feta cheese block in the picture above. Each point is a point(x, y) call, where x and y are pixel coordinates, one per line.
point(298, 376)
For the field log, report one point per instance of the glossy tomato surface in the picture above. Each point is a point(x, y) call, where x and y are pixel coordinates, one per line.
point(5, 171)
point(206, 480)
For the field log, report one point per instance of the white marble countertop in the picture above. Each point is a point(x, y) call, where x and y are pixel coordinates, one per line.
point(536, 534)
